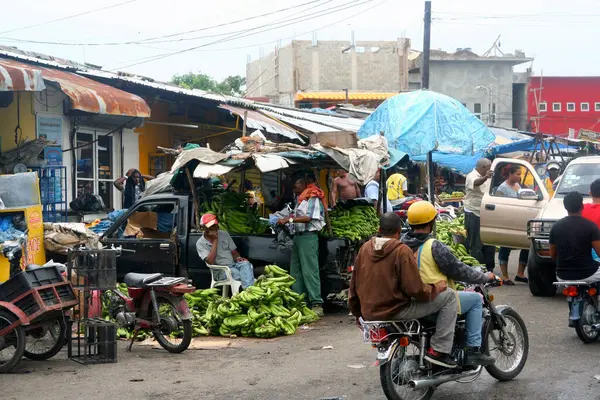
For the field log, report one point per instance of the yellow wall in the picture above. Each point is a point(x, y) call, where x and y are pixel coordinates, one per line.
point(8, 121)
point(153, 135)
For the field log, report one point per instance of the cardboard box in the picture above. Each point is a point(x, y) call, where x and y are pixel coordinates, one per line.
point(342, 139)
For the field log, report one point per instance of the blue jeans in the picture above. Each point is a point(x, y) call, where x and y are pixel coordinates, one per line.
point(240, 271)
point(472, 307)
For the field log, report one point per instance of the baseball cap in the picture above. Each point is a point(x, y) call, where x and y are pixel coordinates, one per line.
point(208, 220)
point(552, 165)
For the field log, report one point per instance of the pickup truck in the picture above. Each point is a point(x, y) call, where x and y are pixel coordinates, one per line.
point(525, 222)
point(171, 249)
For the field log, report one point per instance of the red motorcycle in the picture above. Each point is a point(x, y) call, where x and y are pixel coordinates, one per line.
point(156, 303)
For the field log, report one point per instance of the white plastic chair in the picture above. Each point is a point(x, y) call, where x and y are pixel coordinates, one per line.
point(227, 283)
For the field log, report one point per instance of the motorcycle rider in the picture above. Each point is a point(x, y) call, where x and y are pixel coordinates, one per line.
point(436, 262)
point(386, 286)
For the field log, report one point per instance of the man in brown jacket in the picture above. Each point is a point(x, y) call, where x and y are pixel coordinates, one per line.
point(386, 285)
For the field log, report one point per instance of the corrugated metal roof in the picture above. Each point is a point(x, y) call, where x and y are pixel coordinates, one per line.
point(312, 121)
point(256, 120)
point(86, 94)
point(341, 96)
point(17, 79)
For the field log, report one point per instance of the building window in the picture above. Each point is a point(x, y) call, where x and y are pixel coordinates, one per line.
point(556, 107)
point(477, 110)
point(543, 107)
point(570, 107)
point(95, 163)
point(585, 106)
point(464, 105)
point(597, 106)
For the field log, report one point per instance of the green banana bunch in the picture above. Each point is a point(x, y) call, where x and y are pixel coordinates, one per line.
point(234, 213)
point(356, 223)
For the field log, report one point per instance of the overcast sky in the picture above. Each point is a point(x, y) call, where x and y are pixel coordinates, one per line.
point(560, 35)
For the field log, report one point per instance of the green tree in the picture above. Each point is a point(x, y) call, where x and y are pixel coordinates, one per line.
point(232, 85)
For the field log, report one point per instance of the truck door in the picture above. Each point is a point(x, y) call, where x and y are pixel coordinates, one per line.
point(148, 228)
point(504, 219)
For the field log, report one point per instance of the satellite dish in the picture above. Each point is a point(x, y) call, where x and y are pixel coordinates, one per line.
point(19, 168)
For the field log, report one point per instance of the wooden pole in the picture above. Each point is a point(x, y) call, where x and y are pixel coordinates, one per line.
point(244, 125)
point(194, 197)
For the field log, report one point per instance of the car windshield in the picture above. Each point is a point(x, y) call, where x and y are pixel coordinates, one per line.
point(578, 178)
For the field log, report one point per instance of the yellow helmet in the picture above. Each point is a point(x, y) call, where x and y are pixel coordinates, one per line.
point(421, 213)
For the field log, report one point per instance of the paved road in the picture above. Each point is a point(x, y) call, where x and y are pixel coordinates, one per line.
point(559, 367)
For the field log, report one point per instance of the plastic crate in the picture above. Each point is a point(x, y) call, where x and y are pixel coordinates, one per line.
point(44, 276)
point(96, 343)
point(15, 287)
point(28, 304)
point(93, 269)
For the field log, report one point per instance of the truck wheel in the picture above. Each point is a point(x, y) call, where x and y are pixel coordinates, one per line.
point(541, 276)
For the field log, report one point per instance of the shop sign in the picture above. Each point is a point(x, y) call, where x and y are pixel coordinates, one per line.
point(50, 128)
point(588, 136)
point(53, 156)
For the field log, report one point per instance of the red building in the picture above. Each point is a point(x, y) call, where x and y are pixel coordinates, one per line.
point(559, 105)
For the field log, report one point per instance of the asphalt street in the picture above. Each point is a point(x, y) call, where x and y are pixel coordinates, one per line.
point(297, 367)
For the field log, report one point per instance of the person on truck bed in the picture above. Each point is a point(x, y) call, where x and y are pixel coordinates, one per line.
point(437, 263)
point(386, 286)
point(216, 247)
point(308, 220)
point(510, 188)
point(344, 188)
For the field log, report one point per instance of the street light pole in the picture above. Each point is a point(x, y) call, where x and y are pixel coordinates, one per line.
point(425, 85)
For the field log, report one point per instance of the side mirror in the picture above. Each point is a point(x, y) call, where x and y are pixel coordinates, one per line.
point(527, 194)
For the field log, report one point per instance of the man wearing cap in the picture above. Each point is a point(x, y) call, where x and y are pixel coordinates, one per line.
point(216, 247)
point(552, 168)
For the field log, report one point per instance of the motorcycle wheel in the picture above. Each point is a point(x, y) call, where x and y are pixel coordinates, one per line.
point(585, 332)
point(46, 341)
point(397, 372)
point(513, 353)
point(15, 339)
point(174, 334)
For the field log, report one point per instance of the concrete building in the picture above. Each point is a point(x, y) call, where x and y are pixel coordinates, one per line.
point(318, 73)
point(486, 85)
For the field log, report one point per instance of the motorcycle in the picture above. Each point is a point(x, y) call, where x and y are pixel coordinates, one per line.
point(156, 303)
point(584, 314)
point(402, 345)
point(401, 209)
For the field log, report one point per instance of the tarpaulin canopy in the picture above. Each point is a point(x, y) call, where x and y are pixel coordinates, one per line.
point(422, 121)
point(457, 162)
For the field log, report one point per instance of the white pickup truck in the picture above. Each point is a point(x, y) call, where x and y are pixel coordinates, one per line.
point(525, 222)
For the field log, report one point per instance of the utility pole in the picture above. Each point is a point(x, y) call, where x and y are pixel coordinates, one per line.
point(346, 90)
point(425, 85)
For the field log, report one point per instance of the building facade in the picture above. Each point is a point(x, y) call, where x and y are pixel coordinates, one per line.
point(564, 105)
point(294, 75)
point(487, 86)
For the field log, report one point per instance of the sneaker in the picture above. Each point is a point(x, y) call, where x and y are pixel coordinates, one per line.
point(508, 282)
point(572, 323)
point(318, 309)
point(441, 359)
point(523, 280)
point(476, 357)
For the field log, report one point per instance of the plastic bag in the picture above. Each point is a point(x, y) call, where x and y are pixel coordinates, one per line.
point(87, 202)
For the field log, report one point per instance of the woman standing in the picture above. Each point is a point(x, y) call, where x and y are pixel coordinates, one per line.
point(132, 186)
point(510, 188)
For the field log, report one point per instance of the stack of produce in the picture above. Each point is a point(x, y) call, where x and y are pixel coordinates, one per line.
point(234, 213)
point(267, 309)
point(453, 195)
point(356, 223)
point(445, 232)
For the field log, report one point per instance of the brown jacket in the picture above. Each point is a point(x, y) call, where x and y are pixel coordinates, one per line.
point(384, 280)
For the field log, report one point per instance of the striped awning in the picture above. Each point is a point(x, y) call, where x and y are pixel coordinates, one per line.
point(341, 96)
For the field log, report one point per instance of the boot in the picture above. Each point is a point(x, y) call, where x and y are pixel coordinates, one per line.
point(476, 357)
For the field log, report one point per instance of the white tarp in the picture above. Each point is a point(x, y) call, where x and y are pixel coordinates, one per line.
point(271, 162)
point(202, 154)
point(205, 171)
point(360, 163)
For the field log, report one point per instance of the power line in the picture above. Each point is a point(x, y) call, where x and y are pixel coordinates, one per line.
point(68, 17)
point(152, 39)
point(238, 36)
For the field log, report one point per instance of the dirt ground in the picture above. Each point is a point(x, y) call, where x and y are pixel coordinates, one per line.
point(299, 367)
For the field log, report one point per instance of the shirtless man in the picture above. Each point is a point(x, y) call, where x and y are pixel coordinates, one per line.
point(344, 188)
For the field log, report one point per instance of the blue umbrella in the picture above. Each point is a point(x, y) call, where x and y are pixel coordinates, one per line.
point(422, 121)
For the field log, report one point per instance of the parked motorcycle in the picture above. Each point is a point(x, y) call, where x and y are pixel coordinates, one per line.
point(584, 314)
point(156, 303)
point(402, 345)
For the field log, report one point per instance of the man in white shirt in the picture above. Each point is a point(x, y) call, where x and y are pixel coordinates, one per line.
point(477, 183)
point(372, 192)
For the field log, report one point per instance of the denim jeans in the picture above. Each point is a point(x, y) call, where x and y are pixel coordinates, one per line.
point(471, 305)
point(504, 254)
point(240, 271)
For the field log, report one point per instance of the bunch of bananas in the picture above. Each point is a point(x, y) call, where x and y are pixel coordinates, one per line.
point(445, 232)
point(356, 223)
point(453, 195)
point(234, 213)
point(265, 310)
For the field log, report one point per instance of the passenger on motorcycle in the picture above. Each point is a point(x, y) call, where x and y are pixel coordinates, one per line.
point(386, 286)
point(572, 239)
point(436, 262)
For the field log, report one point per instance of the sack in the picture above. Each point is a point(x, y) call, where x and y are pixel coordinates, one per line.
point(87, 202)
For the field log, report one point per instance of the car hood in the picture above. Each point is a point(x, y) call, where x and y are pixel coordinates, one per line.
point(555, 209)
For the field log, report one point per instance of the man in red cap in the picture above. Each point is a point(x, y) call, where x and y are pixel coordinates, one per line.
point(217, 248)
